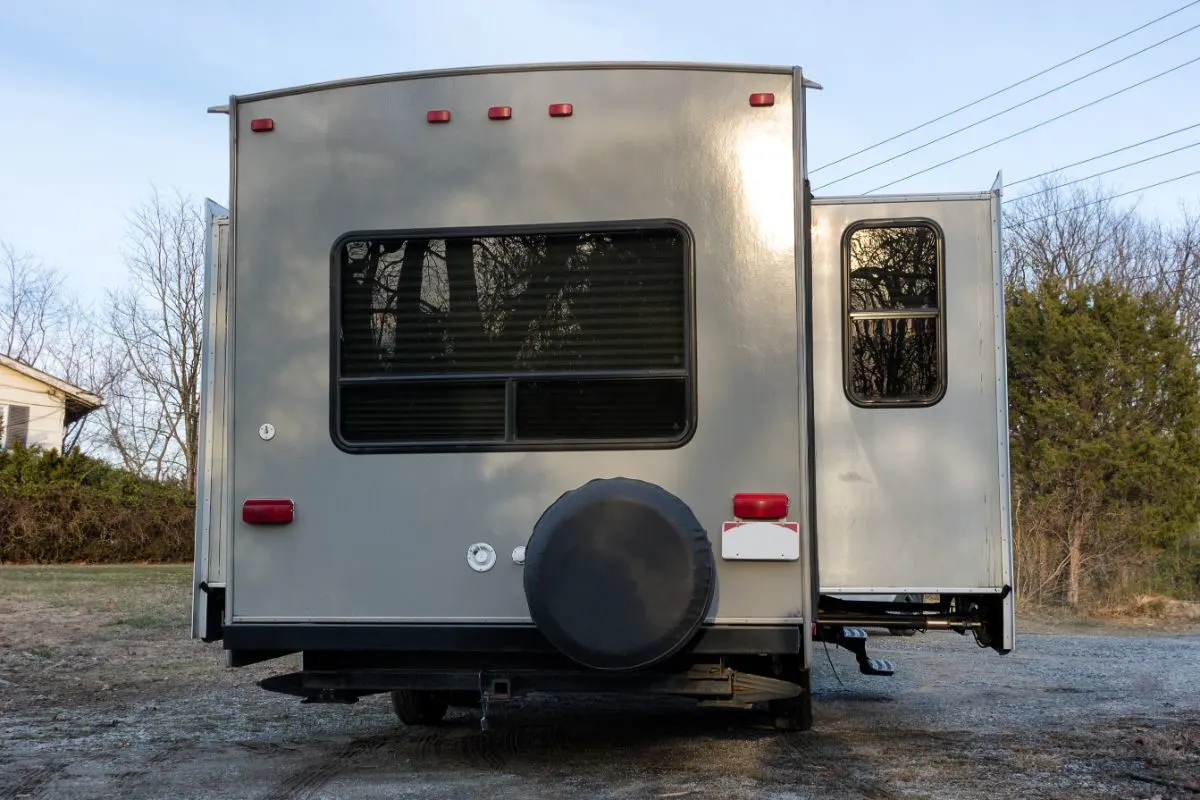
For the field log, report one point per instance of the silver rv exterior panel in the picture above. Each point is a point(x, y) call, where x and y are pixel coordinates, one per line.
point(212, 509)
point(556, 377)
point(911, 496)
point(382, 537)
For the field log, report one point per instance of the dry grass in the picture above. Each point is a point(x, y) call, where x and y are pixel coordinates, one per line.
point(1157, 607)
point(126, 588)
point(67, 632)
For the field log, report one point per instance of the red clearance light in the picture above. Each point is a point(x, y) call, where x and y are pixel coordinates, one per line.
point(437, 115)
point(268, 512)
point(753, 505)
point(561, 109)
point(760, 99)
point(500, 112)
point(262, 125)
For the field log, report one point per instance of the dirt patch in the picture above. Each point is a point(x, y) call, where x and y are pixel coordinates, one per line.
point(103, 694)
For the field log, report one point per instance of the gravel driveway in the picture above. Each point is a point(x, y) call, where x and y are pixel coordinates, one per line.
point(92, 707)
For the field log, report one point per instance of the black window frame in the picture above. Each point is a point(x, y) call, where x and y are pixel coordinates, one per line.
point(688, 372)
point(849, 316)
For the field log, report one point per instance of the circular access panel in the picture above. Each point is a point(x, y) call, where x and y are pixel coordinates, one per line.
point(619, 574)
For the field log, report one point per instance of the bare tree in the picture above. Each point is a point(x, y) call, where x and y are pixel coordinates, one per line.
point(134, 424)
point(157, 322)
point(31, 305)
point(1077, 235)
point(1071, 235)
point(82, 353)
point(1177, 273)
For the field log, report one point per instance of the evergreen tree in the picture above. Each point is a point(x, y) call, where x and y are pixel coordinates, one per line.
point(1104, 413)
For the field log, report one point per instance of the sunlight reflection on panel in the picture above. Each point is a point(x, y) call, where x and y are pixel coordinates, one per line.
point(767, 190)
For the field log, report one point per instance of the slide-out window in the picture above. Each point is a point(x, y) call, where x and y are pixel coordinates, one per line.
point(895, 338)
point(563, 338)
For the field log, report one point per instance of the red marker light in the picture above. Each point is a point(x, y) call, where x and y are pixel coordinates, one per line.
point(437, 116)
point(561, 109)
point(262, 125)
point(500, 112)
point(761, 99)
point(268, 512)
point(755, 505)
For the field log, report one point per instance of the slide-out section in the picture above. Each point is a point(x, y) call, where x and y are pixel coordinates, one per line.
point(910, 401)
point(212, 529)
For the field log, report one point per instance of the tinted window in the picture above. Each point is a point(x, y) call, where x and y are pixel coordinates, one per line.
point(893, 268)
point(894, 329)
point(513, 338)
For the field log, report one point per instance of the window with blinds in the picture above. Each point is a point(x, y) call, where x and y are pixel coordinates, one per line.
point(513, 339)
point(894, 335)
point(14, 426)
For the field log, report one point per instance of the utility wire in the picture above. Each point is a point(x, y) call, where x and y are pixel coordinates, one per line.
point(978, 122)
point(1006, 88)
point(1043, 123)
point(1102, 155)
point(1105, 172)
point(1101, 200)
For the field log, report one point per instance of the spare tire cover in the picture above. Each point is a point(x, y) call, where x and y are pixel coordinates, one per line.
point(619, 574)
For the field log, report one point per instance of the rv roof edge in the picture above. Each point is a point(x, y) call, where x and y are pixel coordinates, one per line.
point(909, 197)
point(567, 66)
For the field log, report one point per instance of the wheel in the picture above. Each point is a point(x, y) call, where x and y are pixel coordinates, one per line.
point(794, 713)
point(419, 708)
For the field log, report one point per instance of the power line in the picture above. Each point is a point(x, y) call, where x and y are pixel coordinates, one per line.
point(1006, 88)
point(1105, 172)
point(978, 122)
point(1101, 200)
point(1043, 123)
point(1102, 155)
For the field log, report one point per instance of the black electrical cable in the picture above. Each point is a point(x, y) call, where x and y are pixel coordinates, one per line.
point(1021, 82)
point(1101, 200)
point(1104, 172)
point(1043, 123)
point(1102, 155)
point(1002, 112)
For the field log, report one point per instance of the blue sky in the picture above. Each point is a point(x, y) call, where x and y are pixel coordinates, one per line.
point(98, 101)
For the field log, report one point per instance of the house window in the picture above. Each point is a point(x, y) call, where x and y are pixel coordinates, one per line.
point(895, 343)
point(513, 339)
point(14, 425)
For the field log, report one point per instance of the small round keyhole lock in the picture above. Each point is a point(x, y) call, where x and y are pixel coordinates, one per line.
point(266, 431)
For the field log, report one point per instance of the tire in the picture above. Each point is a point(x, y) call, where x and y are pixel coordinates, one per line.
point(416, 708)
point(619, 574)
point(794, 713)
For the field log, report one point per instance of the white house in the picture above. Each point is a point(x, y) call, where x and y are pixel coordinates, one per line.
point(36, 408)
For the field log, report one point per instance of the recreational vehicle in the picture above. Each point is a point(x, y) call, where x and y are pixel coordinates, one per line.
point(558, 378)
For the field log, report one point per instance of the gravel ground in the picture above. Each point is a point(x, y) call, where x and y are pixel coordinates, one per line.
point(116, 701)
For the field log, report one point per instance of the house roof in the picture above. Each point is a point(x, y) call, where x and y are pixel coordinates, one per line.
point(79, 402)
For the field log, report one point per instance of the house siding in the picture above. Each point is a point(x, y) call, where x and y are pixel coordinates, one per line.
point(47, 407)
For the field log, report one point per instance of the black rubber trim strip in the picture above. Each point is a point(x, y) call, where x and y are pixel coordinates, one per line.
point(433, 638)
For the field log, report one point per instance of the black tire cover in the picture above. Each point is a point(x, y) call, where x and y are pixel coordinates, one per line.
point(619, 574)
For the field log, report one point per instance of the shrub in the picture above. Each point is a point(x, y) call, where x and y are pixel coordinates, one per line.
point(58, 508)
